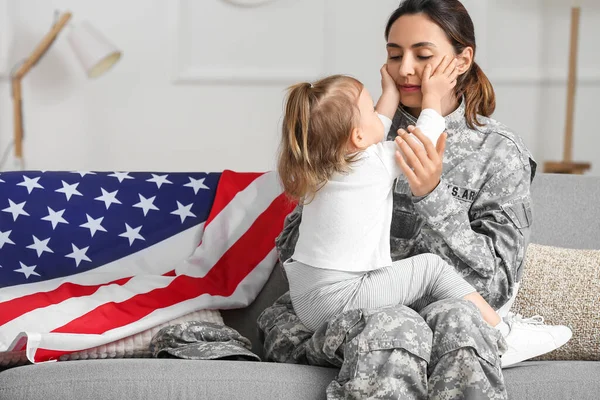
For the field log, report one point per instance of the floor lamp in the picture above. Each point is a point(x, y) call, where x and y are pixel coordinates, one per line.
point(567, 166)
point(95, 53)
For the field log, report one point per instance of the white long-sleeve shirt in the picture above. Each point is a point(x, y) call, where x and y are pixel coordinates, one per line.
point(347, 224)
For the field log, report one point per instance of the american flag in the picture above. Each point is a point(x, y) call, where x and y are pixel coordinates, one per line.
point(87, 258)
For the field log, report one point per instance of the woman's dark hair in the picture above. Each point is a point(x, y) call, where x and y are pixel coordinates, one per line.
point(453, 18)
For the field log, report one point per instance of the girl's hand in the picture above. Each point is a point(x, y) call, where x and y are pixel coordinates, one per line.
point(390, 95)
point(422, 166)
point(388, 86)
point(440, 82)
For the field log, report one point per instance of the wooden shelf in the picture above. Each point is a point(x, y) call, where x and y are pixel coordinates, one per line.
point(564, 167)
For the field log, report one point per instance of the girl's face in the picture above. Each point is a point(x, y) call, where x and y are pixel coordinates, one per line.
point(413, 42)
point(370, 124)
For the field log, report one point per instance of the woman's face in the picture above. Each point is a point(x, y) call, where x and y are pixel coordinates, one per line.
point(413, 42)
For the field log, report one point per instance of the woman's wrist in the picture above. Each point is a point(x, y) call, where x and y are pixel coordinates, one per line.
point(424, 192)
point(438, 206)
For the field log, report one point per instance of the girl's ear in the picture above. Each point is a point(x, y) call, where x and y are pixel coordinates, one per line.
point(356, 139)
point(465, 59)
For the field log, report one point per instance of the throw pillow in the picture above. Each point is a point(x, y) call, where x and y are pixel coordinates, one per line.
point(563, 286)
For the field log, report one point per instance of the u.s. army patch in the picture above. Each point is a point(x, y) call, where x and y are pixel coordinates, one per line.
point(462, 193)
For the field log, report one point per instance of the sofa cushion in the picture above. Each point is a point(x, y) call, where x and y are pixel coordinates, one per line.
point(563, 286)
point(559, 380)
point(162, 379)
point(564, 208)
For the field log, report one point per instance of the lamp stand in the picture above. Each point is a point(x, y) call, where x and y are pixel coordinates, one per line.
point(567, 166)
point(17, 78)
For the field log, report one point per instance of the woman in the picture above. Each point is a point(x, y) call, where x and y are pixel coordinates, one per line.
point(469, 204)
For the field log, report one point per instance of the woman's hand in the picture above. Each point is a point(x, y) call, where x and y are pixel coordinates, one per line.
point(421, 164)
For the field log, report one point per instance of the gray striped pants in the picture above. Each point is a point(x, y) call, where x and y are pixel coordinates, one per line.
point(320, 294)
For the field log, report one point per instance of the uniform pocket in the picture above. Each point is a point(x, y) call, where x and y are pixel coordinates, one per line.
point(401, 248)
point(405, 225)
point(520, 214)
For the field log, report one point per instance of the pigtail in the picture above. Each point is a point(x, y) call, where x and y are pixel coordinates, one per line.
point(316, 128)
point(294, 159)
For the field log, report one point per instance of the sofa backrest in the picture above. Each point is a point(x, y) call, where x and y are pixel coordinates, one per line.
point(566, 213)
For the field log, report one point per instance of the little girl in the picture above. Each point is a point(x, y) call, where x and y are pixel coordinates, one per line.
point(334, 160)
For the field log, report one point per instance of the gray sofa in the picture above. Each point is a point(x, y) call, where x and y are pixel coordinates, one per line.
point(566, 214)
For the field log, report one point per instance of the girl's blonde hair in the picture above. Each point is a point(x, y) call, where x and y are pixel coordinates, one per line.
point(318, 121)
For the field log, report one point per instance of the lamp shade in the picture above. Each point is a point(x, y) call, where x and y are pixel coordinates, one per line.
point(96, 54)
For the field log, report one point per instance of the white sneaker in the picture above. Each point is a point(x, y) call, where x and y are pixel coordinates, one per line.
point(530, 337)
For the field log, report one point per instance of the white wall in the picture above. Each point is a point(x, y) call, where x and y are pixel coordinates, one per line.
point(189, 94)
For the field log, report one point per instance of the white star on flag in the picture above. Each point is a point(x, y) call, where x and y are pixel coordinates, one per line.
point(121, 176)
point(69, 190)
point(196, 184)
point(4, 238)
point(132, 234)
point(55, 217)
point(27, 271)
point(108, 198)
point(183, 211)
point(93, 225)
point(83, 173)
point(146, 204)
point(2, 181)
point(30, 184)
point(78, 255)
point(16, 209)
point(159, 179)
point(40, 246)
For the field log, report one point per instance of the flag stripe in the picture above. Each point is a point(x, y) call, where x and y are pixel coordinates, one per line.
point(48, 318)
point(221, 280)
point(237, 182)
point(51, 345)
point(14, 308)
point(231, 223)
point(241, 297)
point(152, 260)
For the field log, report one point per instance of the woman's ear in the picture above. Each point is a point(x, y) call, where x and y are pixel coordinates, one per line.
point(465, 59)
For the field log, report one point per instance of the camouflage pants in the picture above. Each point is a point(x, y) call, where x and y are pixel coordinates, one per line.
point(444, 352)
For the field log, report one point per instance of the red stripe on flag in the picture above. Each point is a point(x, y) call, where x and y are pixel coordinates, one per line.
point(230, 184)
point(14, 308)
point(42, 355)
point(221, 280)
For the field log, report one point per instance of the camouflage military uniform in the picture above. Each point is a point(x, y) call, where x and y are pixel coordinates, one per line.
point(201, 340)
point(446, 351)
point(477, 219)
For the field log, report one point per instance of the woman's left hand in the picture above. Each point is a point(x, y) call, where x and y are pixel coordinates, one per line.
point(421, 164)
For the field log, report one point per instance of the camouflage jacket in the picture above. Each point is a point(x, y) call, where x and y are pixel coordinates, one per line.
point(478, 218)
